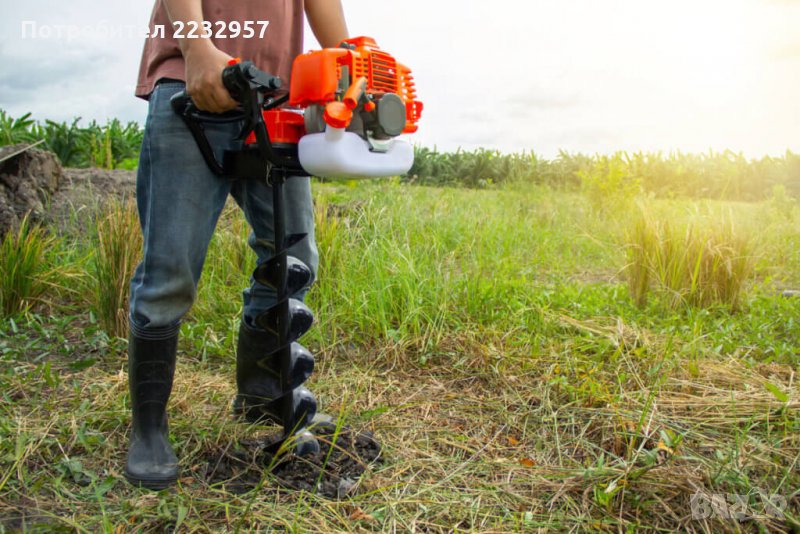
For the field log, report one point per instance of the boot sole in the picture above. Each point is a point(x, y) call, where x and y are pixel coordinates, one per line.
point(155, 484)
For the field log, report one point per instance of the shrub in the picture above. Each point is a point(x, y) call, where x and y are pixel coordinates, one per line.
point(17, 130)
point(782, 205)
point(609, 183)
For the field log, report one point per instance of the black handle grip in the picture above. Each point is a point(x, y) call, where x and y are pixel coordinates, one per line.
point(240, 79)
point(194, 118)
point(250, 87)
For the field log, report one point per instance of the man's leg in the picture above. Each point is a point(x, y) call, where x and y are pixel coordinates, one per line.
point(179, 201)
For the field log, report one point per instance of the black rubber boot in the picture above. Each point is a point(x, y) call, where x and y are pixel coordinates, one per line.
point(258, 377)
point(151, 463)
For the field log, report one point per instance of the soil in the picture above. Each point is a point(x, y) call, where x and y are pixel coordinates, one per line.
point(333, 473)
point(33, 183)
point(28, 178)
point(89, 186)
point(83, 192)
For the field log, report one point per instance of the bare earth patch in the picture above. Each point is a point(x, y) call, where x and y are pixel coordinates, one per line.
point(83, 192)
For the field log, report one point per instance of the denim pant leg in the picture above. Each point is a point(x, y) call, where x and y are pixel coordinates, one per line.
point(255, 198)
point(179, 201)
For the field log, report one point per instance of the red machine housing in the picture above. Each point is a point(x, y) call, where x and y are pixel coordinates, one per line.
point(317, 77)
point(340, 80)
point(284, 127)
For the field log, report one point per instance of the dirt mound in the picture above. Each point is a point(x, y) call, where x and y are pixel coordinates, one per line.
point(28, 178)
point(33, 182)
point(83, 192)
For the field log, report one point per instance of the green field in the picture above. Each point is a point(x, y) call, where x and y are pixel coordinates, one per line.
point(489, 337)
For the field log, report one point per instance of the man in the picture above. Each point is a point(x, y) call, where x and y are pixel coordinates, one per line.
point(180, 199)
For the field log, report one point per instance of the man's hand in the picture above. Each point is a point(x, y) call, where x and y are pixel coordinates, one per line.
point(204, 66)
point(204, 61)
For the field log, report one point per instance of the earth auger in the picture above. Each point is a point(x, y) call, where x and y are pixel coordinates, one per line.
point(357, 100)
point(288, 319)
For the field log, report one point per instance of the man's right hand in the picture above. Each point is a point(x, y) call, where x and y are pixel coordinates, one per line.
point(204, 66)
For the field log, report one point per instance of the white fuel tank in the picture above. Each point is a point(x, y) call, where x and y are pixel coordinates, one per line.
point(339, 154)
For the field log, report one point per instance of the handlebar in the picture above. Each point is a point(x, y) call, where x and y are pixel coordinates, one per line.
point(249, 86)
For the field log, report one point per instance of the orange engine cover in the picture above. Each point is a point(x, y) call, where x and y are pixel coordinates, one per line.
point(282, 126)
point(317, 77)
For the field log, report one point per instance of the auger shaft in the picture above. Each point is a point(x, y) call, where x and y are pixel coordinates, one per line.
point(277, 177)
point(288, 319)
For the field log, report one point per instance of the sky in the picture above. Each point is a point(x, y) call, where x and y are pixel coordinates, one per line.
point(591, 76)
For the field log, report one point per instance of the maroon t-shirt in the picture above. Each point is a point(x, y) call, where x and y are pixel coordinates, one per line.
point(282, 40)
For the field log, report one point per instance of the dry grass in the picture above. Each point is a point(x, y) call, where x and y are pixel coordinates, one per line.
point(507, 401)
point(469, 449)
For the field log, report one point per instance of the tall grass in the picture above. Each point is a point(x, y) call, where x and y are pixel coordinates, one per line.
point(420, 267)
point(119, 247)
point(696, 265)
point(24, 273)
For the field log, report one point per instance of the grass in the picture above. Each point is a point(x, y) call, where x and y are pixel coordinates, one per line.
point(24, 273)
point(699, 265)
point(118, 250)
point(487, 337)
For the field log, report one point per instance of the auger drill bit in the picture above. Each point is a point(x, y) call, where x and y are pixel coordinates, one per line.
point(288, 319)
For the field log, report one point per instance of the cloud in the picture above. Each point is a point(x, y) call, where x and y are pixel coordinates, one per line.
point(537, 100)
point(74, 82)
point(572, 74)
point(37, 73)
point(60, 76)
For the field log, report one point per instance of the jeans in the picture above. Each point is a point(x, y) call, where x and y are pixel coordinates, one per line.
point(179, 201)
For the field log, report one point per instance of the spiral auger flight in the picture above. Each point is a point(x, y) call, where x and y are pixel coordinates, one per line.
point(293, 405)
